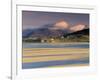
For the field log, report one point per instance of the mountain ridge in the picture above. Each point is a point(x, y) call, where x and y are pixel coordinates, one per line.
point(57, 29)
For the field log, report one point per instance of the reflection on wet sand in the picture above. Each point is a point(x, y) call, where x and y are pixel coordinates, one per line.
point(48, 57)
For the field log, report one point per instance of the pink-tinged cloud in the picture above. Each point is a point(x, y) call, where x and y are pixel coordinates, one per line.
point(77, 27)
point(61, 24)
point(35, 19)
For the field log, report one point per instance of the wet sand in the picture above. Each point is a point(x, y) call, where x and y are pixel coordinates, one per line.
point(46, 55)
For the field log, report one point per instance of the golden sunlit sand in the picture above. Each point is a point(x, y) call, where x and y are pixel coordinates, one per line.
point(54, 54)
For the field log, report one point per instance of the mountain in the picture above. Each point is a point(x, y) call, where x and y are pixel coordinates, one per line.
point(57, 29)
point(43, 32)
point(26, 33)
point(81, 32)
point(81, 36)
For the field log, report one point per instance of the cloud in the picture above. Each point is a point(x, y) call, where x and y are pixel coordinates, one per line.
point(61, 24)
point(77, 27)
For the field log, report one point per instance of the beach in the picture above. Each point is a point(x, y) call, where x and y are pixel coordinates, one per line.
point(49, 57)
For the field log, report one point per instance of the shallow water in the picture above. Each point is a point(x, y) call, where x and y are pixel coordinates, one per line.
point(59, 45)
point(81, 60)
point(54, 63)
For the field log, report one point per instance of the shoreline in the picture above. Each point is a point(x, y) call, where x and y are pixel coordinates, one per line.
point(60, 42)
point(56, 45)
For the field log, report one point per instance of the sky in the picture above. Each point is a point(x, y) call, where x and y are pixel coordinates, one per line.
point(36, 19)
